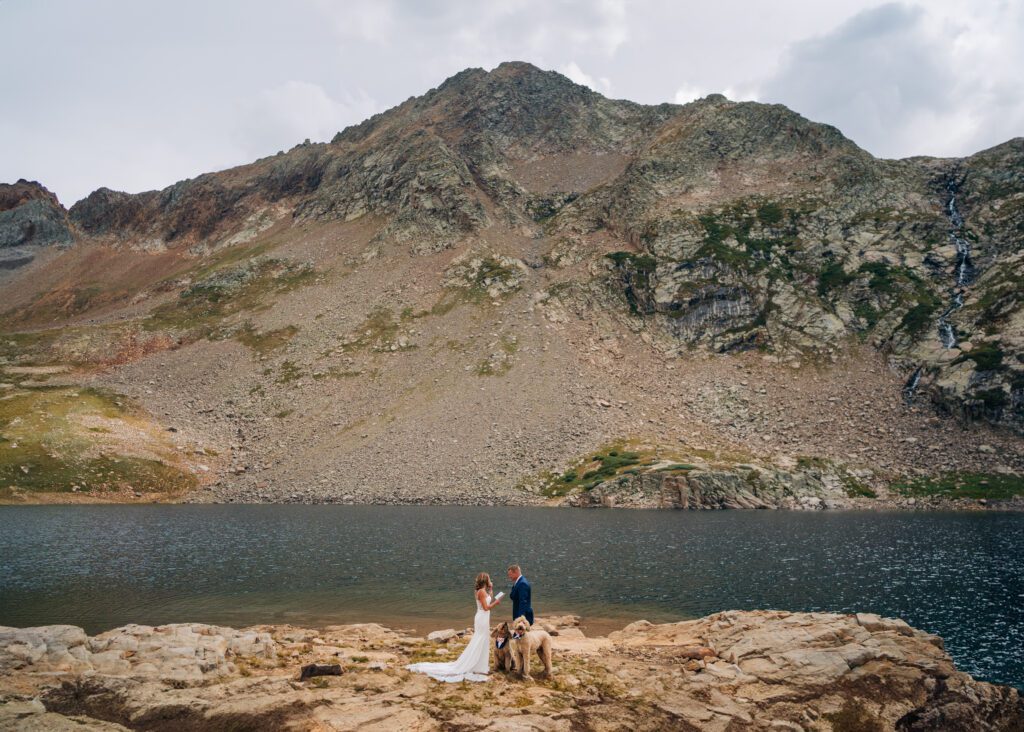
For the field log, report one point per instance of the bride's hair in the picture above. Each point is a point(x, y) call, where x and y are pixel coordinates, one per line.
point(483, 580)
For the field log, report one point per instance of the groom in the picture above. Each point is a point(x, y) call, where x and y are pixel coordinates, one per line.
point(520, 594)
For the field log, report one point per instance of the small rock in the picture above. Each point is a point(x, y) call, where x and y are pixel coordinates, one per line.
point(442, 636)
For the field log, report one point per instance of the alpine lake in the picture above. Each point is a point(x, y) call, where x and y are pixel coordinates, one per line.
point(960, 575)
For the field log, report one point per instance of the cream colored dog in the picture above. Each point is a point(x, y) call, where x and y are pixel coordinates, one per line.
point(526, 642)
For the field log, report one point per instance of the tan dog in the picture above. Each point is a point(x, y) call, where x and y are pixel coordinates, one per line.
point(525, 642)
point(502, 648)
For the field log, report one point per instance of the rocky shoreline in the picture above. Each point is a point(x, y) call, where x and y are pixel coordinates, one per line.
point(728, 671)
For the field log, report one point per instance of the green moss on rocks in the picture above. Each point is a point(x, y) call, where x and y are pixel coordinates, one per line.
point(987, 356)
point(592, 471)
point(770, 213)
point(639, 262)
point(921, 316)
point(833, 277)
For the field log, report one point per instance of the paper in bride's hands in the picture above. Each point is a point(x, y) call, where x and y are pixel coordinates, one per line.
point(499, 596)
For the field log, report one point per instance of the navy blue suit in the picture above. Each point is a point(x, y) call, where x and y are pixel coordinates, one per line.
point(520, 596)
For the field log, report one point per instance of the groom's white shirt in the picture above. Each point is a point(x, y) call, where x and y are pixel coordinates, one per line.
point(517, 580)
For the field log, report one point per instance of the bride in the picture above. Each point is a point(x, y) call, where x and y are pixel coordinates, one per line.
point(474, 663)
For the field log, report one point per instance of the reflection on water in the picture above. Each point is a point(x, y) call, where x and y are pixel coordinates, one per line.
point(958, 575)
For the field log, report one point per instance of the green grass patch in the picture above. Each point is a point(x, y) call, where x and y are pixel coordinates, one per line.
point(921, 316)
point(881, 277)
point(963, 485)
point(267, 341)
point(857, 489)
point(867, 312)
point(806, 462)
point(987, 356)
point(445, 304)
point(770, 213)
point(833, 277)
point(725, 254)
point(288, 372)
point(993, 399)
point(503, 363)
point(45, 446)
point(593, 471)
point(487, 368)
point(509, 344)
point(378, 332)
point(738, 221)
point(634, 274)
point(1000, 298)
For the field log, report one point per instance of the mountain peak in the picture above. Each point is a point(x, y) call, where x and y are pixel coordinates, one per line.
point(505, 72)
point(16, 194)
point(517, 67)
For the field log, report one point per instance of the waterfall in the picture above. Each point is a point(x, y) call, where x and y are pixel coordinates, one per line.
point(963, 276)
point(946, 332)
point(910, 387)
point(964, 270)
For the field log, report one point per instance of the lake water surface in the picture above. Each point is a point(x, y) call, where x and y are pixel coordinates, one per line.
point(958, 575)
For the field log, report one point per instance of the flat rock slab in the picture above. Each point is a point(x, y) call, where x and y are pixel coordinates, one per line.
point(731, 670)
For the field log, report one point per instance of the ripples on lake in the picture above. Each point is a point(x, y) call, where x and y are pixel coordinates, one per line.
point(958, 575)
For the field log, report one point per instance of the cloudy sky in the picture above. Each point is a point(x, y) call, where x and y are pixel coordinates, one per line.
point(137, 94)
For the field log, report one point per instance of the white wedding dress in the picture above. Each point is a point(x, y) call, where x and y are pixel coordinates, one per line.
point(475, 661)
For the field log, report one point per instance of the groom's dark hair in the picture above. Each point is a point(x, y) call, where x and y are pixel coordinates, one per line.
point(514, 568)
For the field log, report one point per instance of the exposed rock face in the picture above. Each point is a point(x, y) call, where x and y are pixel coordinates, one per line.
point(757, 228)
point(718, 489)
point(850, 672)
point(733, 670)
point(30, 218)
point(484, 273)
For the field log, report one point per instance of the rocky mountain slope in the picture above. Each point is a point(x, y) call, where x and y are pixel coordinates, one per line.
point(463, 297)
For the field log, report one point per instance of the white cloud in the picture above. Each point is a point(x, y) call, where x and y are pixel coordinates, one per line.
point(366, 20)
point(905, 80)
point(688, 93)
point(612, 30)
point(578, 75)
point(286, 114)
